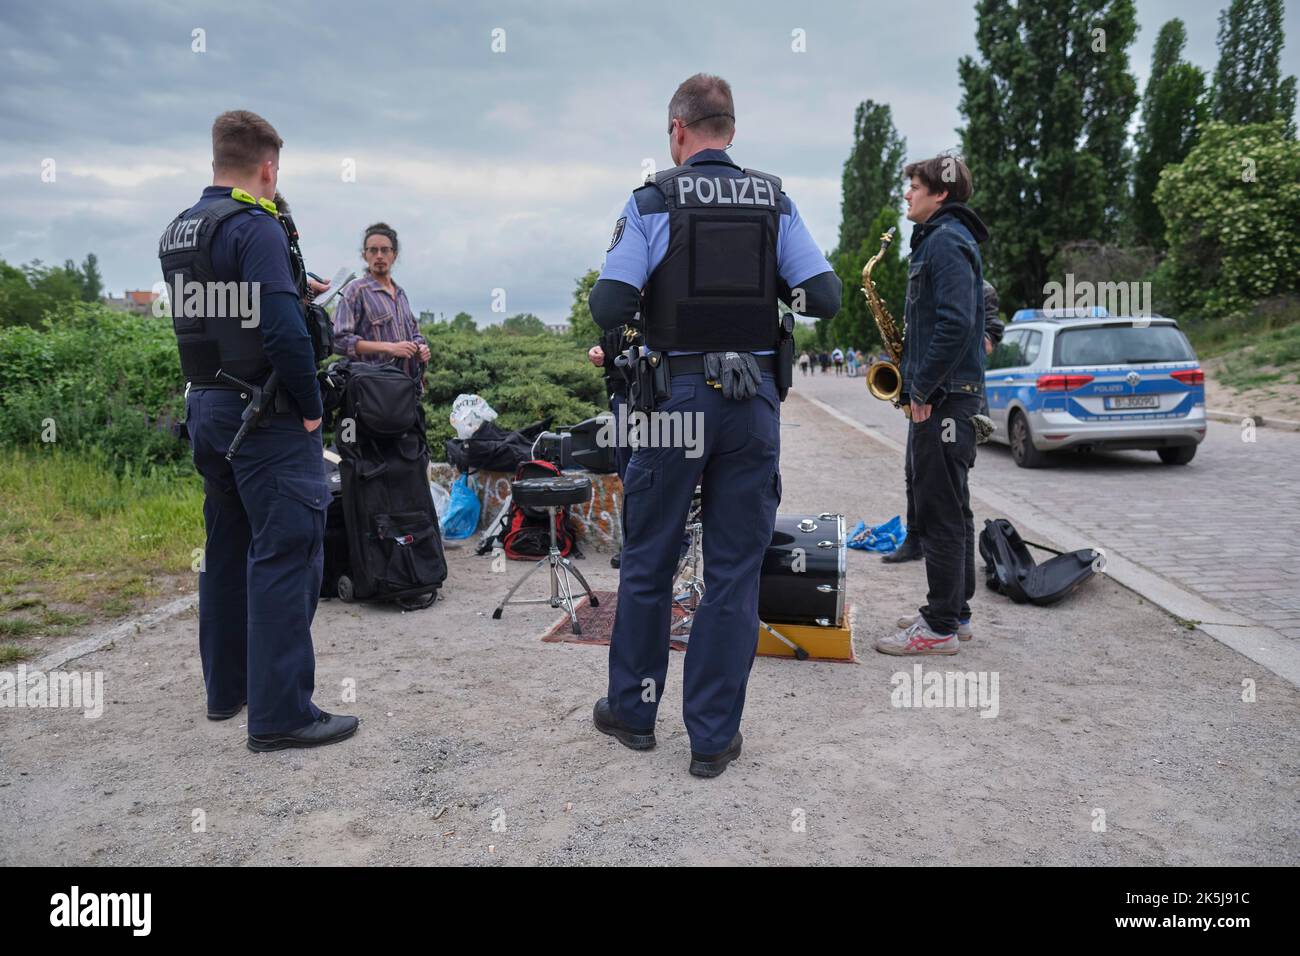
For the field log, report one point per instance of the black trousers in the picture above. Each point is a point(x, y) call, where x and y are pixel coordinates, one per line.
point(940, 454)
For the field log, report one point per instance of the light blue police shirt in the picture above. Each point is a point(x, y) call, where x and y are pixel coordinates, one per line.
point(641, 237)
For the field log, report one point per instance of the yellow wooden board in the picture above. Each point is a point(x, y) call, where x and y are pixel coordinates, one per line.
point(826, 643)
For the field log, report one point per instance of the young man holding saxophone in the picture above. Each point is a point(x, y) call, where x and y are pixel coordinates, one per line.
point(943, 380)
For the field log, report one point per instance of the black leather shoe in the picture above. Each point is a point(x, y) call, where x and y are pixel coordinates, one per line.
point(616, 560)
point(227, 713)
point(325, 729)
point(909, 550)
point(607, 723)
point(706, 765)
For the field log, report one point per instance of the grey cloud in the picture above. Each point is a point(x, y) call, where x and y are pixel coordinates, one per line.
point(545, 140)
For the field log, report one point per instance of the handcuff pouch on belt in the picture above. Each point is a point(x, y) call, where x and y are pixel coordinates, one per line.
point(649, 383)
point(785, 356)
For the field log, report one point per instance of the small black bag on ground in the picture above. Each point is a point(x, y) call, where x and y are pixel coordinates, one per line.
point(1011, 570)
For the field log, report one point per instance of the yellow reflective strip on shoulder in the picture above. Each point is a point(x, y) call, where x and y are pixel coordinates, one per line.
point(242, 196)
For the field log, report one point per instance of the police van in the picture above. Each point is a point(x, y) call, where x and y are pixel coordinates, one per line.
point(1085, 380)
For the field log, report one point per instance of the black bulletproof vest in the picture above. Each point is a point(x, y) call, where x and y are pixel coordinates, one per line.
point(226, 340)
point(716, 287)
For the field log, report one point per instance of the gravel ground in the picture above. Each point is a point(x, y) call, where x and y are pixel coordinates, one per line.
point(476, 744)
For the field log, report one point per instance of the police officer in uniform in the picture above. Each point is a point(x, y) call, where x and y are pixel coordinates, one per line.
point(264, 507)
point(709, 247)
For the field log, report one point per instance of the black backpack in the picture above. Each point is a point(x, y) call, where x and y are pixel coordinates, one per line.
point(382, 400)
point(1011, 570)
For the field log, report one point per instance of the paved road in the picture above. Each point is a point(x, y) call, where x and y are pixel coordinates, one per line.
point(1225, 527)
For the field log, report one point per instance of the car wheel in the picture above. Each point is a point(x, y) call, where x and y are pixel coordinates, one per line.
point(1023, 452)
point(1179, 455)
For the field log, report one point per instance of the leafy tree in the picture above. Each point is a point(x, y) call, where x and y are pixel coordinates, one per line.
point(582, 327)
point(92, 283)
point(873, 173)
point(525, 323)
point(1230, 210)
point(1248, 87)
point(463, 322)
point(854, 325)
point(27, 293)
point(1172, 108)
point(1047, 106)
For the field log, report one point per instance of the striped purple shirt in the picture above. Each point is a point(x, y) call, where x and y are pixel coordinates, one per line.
point(367, 311)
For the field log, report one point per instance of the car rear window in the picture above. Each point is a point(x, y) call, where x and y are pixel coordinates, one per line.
point(1122, 345)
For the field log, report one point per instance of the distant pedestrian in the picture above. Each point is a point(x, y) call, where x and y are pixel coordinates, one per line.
point(803, 362)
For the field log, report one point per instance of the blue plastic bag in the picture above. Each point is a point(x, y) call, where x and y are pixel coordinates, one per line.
point(883, 537)
point(461, 519)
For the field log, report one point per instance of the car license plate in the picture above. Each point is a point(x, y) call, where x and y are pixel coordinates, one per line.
point(1133, 401)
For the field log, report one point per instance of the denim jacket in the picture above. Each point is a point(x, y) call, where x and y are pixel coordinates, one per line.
point(943, 349)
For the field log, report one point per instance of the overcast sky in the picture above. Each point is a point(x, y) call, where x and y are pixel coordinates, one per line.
point(498, 169)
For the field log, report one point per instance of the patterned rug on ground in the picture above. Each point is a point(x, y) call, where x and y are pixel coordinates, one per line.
point(597, 623)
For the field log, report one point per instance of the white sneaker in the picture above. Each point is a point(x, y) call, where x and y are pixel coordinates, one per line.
point(964, 630)
point(917, 639)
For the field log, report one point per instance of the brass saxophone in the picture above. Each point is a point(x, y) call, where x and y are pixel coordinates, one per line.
point(884, 380)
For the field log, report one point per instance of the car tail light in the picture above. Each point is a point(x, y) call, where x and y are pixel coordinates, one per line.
point(1062, 383)
point(1189, 376)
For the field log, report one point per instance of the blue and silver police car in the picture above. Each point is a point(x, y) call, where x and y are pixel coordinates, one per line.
point(1091, 381)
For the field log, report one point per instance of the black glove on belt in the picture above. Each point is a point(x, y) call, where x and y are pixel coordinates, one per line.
point(736, 373)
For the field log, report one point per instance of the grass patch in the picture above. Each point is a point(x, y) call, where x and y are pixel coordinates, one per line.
point(18, 627)
point(81, 538)
point(1265, 358)
point(10, 653)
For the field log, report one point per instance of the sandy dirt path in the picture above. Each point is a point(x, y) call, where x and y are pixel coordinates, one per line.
point(1105, 704)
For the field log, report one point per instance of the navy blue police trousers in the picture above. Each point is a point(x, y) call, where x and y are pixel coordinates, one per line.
point(265, 518)
point(737, 465)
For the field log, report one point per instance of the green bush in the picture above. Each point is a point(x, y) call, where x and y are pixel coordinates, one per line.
point(111, 382)
point(1230, 211)
point(524, 377)
point(94, 379)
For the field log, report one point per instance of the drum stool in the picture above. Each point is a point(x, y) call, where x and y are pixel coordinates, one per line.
point(552, 494)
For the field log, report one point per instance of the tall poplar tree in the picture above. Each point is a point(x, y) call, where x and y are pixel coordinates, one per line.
point(1046, 108)
point(1172, 108)
point(1248, 87)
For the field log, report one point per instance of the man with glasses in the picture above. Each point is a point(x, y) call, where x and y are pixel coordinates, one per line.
point(374, 321)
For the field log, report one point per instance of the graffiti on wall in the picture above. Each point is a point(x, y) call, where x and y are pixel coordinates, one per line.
point(598, 523)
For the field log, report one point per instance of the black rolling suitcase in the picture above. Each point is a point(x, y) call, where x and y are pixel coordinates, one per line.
point(394, 546)
point(337, 561)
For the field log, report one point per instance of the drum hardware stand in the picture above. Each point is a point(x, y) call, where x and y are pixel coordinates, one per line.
point(689, 580)
point(799, 652)
point(561, 587)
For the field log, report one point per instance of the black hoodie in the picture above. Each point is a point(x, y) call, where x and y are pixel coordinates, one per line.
point(943, 349)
